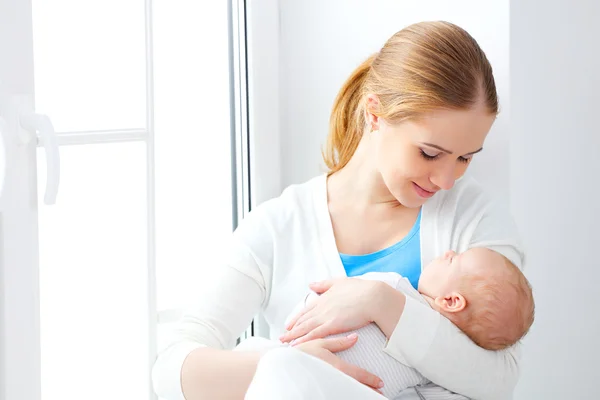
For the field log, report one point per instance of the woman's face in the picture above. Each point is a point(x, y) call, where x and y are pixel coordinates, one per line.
point(419, 157)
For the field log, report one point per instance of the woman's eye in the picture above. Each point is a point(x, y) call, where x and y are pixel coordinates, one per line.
point(429, 155)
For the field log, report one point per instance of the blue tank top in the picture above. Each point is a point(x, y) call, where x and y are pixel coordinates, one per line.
point(403, 257)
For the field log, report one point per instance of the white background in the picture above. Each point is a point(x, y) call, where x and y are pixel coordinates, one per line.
point(540, 157)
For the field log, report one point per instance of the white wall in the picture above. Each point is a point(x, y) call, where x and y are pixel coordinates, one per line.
point(555, 163)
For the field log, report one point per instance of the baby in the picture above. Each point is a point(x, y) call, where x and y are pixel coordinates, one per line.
point(484, 295)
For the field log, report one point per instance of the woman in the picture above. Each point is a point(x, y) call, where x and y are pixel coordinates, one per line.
point(404, 129)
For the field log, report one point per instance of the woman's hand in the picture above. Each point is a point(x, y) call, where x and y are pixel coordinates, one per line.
point(345, 304)
point(324, 349)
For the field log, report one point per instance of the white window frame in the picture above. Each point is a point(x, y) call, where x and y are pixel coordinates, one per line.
point(20, 353)
point(262, 19)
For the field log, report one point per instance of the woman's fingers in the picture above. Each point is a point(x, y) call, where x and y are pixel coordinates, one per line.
point(301, 314)
point(317, 333)
point(325, 349)
point(335, 345)
point(363, 376)
point(322, 286)
point(293, 321)
point(299, 330)
point(307, 315)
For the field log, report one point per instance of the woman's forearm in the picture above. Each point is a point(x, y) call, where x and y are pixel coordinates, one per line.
point(209, 373)
point(388, 307)
point(435, 347)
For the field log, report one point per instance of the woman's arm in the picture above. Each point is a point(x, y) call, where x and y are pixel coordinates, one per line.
point(430, 343)
point(459, 219)
point(218, 374)
point(418, 336)
point(198, 362)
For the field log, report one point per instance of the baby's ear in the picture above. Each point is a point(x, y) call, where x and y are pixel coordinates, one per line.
point(453, 302)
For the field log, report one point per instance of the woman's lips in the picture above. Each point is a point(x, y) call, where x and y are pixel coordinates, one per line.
point(422, 192)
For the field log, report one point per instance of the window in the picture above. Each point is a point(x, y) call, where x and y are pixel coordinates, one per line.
point(144, 97)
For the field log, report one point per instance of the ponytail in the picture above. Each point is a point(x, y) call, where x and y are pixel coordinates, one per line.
point(347, 121)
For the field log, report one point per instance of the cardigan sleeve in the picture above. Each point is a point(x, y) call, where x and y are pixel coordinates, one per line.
point(427, 340)
point(224, 307)
point(435, 347)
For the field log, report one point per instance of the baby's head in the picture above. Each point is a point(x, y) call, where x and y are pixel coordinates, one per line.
point(482, 293)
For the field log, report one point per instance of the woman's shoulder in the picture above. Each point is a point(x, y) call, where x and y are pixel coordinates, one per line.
point(468, 206)
point(468, 187)
point(467, 196)
point(304, 192)
point(467, 216)
point(294, 198)
point(294, 203)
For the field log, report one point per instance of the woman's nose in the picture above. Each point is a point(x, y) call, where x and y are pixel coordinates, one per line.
point(444, 178)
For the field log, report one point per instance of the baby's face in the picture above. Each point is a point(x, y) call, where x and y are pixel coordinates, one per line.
point(444, 274)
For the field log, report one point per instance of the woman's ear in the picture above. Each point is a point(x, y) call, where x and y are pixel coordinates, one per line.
point(451, 303)
point(371, 109)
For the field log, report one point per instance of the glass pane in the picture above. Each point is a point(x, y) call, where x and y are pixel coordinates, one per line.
point(90, 63)
point(193, 149)
point(93, 275)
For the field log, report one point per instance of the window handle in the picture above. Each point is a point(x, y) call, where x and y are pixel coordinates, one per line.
point(39, 123)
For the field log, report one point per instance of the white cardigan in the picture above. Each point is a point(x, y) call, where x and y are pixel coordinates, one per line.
point(288, 242)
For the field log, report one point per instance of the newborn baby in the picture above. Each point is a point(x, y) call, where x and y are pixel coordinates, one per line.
point(482, 293)
point(485, 296)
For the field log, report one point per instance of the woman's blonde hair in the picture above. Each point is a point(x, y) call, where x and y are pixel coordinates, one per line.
point(423, 67)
